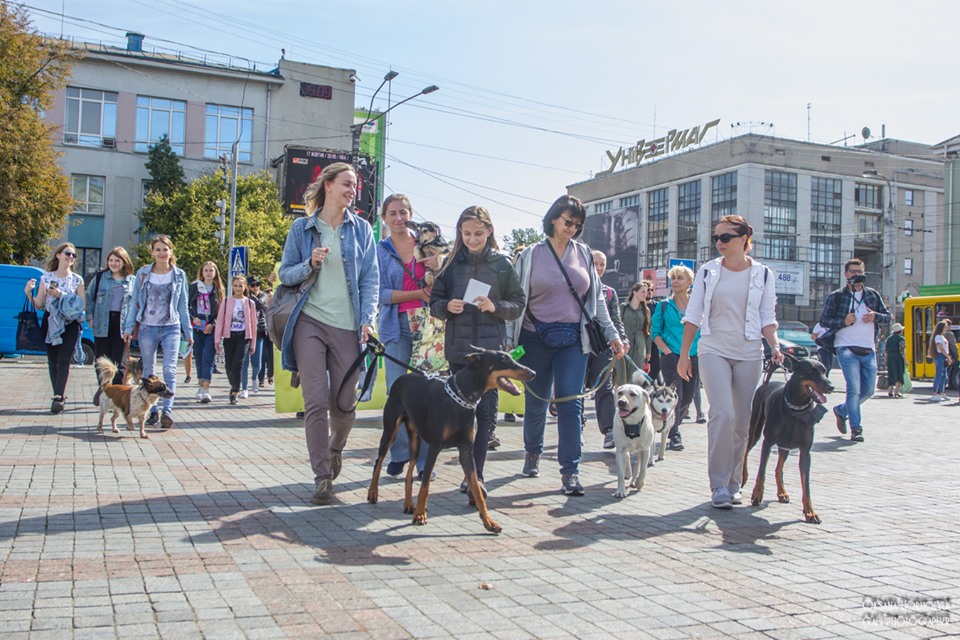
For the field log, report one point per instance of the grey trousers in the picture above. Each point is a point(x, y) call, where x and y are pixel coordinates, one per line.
point(324, 354)
point(730, 385)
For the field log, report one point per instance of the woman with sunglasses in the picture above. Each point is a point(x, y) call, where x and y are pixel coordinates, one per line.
point(732, 304)
point(61, 295)
point(160, 312)
point(552, 331)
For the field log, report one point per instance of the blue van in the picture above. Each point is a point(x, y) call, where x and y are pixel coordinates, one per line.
point(13, 278)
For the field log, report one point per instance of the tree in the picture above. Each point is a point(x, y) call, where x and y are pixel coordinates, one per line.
point(35, 197)
point(187, 216)
point(166, 174)
point(521, 238)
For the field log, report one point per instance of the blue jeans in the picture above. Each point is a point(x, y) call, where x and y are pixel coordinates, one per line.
point(560, 371)
point(860, 375)
point(168, 338)
point(402, 350)
point(257, 362)
point(204, 351)
point(940, 377)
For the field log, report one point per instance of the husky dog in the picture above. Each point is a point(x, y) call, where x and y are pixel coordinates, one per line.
point(663, 405)
point(632, 434)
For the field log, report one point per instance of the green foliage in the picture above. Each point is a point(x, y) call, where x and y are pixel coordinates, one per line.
point(35, 197)
point(521, 238)
point(187, 216)
point(166, 174)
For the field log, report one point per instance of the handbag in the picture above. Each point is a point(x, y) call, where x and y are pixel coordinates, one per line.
point(285, 299)
point(29, 335)
point(595, 333)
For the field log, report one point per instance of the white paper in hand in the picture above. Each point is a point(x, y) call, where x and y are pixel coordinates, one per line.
point(475, 289)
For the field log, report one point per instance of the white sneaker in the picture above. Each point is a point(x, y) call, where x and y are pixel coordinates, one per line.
point(721, 498)
point(244, 394)
point(736, 498)
point(936, 398)
point(256, 388)
point(207, 398)
point(199, 394)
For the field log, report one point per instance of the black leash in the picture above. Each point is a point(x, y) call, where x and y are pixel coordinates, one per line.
point(375, 349)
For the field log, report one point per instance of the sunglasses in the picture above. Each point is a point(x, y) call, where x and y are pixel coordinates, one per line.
point(70, 254)
point(724, 238)
point(571, 223)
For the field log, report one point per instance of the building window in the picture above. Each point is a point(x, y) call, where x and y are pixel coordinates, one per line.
point(630, 201)
point(908, 227)
point(824, 258)
point(723, 201)
point(658, 214)
point(91, 118)
point(908, 266)
point(908, 197)
point(88, 194)
point(868, 196)
point(158, 117)
point(226, 125)
point(780, 215)
point(826, 197)
point(603, 207)
point(688, 219)
point(869, 228)
point(88, 259)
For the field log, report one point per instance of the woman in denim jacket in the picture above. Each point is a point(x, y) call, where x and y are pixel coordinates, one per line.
point(333, 318)
point(108, 303)
point(733, 304)
point(160, 309)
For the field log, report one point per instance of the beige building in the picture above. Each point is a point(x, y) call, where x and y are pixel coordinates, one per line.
point(812, 206)
point(119, 101)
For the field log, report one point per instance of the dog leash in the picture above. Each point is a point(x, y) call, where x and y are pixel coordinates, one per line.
point(600, 381)
point(375, 349)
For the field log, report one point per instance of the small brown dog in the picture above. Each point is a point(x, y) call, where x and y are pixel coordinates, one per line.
point(430, 242)
point(129, 400)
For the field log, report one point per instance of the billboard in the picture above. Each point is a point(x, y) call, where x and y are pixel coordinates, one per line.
point(303, 165)
point(615, 233)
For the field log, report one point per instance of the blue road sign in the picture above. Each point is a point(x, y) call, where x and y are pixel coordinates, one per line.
point(239, 261)
point(687, 262)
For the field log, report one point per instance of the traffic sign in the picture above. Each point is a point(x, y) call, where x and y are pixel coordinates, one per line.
point(239, 261)
point(687, 262)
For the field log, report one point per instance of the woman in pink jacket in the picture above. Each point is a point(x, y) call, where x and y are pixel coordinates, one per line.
point(237, 329)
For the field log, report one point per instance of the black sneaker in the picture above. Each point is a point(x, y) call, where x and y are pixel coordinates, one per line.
point(166, 421)
point(57, 405)
point(395, 468)
point(509, 417)
point(154, 418)
point(841, 422)
point(531, 465)
point(494, 442)
point(571, 485)
point(675, 443)
point(608, 442)
point(856, 434)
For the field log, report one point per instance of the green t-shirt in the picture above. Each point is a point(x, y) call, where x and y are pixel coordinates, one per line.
point(328, 300)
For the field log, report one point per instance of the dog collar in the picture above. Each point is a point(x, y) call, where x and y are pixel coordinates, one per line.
point(794, 407)
point(448, 387)
point(633, 430)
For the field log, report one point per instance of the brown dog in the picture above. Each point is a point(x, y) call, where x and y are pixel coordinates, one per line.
point(129, 400)
point(430, 242)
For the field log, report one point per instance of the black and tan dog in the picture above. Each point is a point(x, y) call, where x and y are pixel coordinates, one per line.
point(785, 414)
point(430, 242)
point(443, 414)
point(132, 401)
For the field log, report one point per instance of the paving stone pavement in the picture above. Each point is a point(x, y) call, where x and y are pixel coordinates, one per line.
point(205, 531)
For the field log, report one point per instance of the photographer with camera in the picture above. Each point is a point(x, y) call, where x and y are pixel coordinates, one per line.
point(851, 317)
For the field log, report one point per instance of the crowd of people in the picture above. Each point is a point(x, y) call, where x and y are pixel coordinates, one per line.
point(708, 331)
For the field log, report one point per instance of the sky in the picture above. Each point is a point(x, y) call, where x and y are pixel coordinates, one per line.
point(533, 94)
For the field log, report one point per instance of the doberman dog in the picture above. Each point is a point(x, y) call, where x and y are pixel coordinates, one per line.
point(443, 414)
point(785, 414)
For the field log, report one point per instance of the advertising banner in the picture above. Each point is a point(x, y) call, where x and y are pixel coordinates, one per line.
point(791, 277)
point(303, 166)
point(615, 233)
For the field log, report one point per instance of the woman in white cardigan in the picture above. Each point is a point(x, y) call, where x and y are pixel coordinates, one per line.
point(732, 303)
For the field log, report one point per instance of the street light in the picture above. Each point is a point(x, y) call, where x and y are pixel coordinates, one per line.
point(357, 129)
point(889, 286)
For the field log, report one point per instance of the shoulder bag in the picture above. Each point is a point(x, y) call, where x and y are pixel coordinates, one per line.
point(595, 333)
point(285, 299)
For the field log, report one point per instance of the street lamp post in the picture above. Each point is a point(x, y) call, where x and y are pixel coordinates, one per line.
point(888, 255)
point(357, 129)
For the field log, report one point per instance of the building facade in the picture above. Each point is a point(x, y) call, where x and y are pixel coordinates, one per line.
point(813, 207)
point(119, 101)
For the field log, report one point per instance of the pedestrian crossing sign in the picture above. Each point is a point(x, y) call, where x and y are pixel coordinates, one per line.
point(239, 261)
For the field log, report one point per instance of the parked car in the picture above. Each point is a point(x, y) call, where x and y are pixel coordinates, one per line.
point(787, 347)
point(13, 278)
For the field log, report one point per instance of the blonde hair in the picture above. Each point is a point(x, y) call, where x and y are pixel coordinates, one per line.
point(165, 240)
point(680, 269)
point(217, 282)
point(123, 257)
point(315, 195)
point(54, 262)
